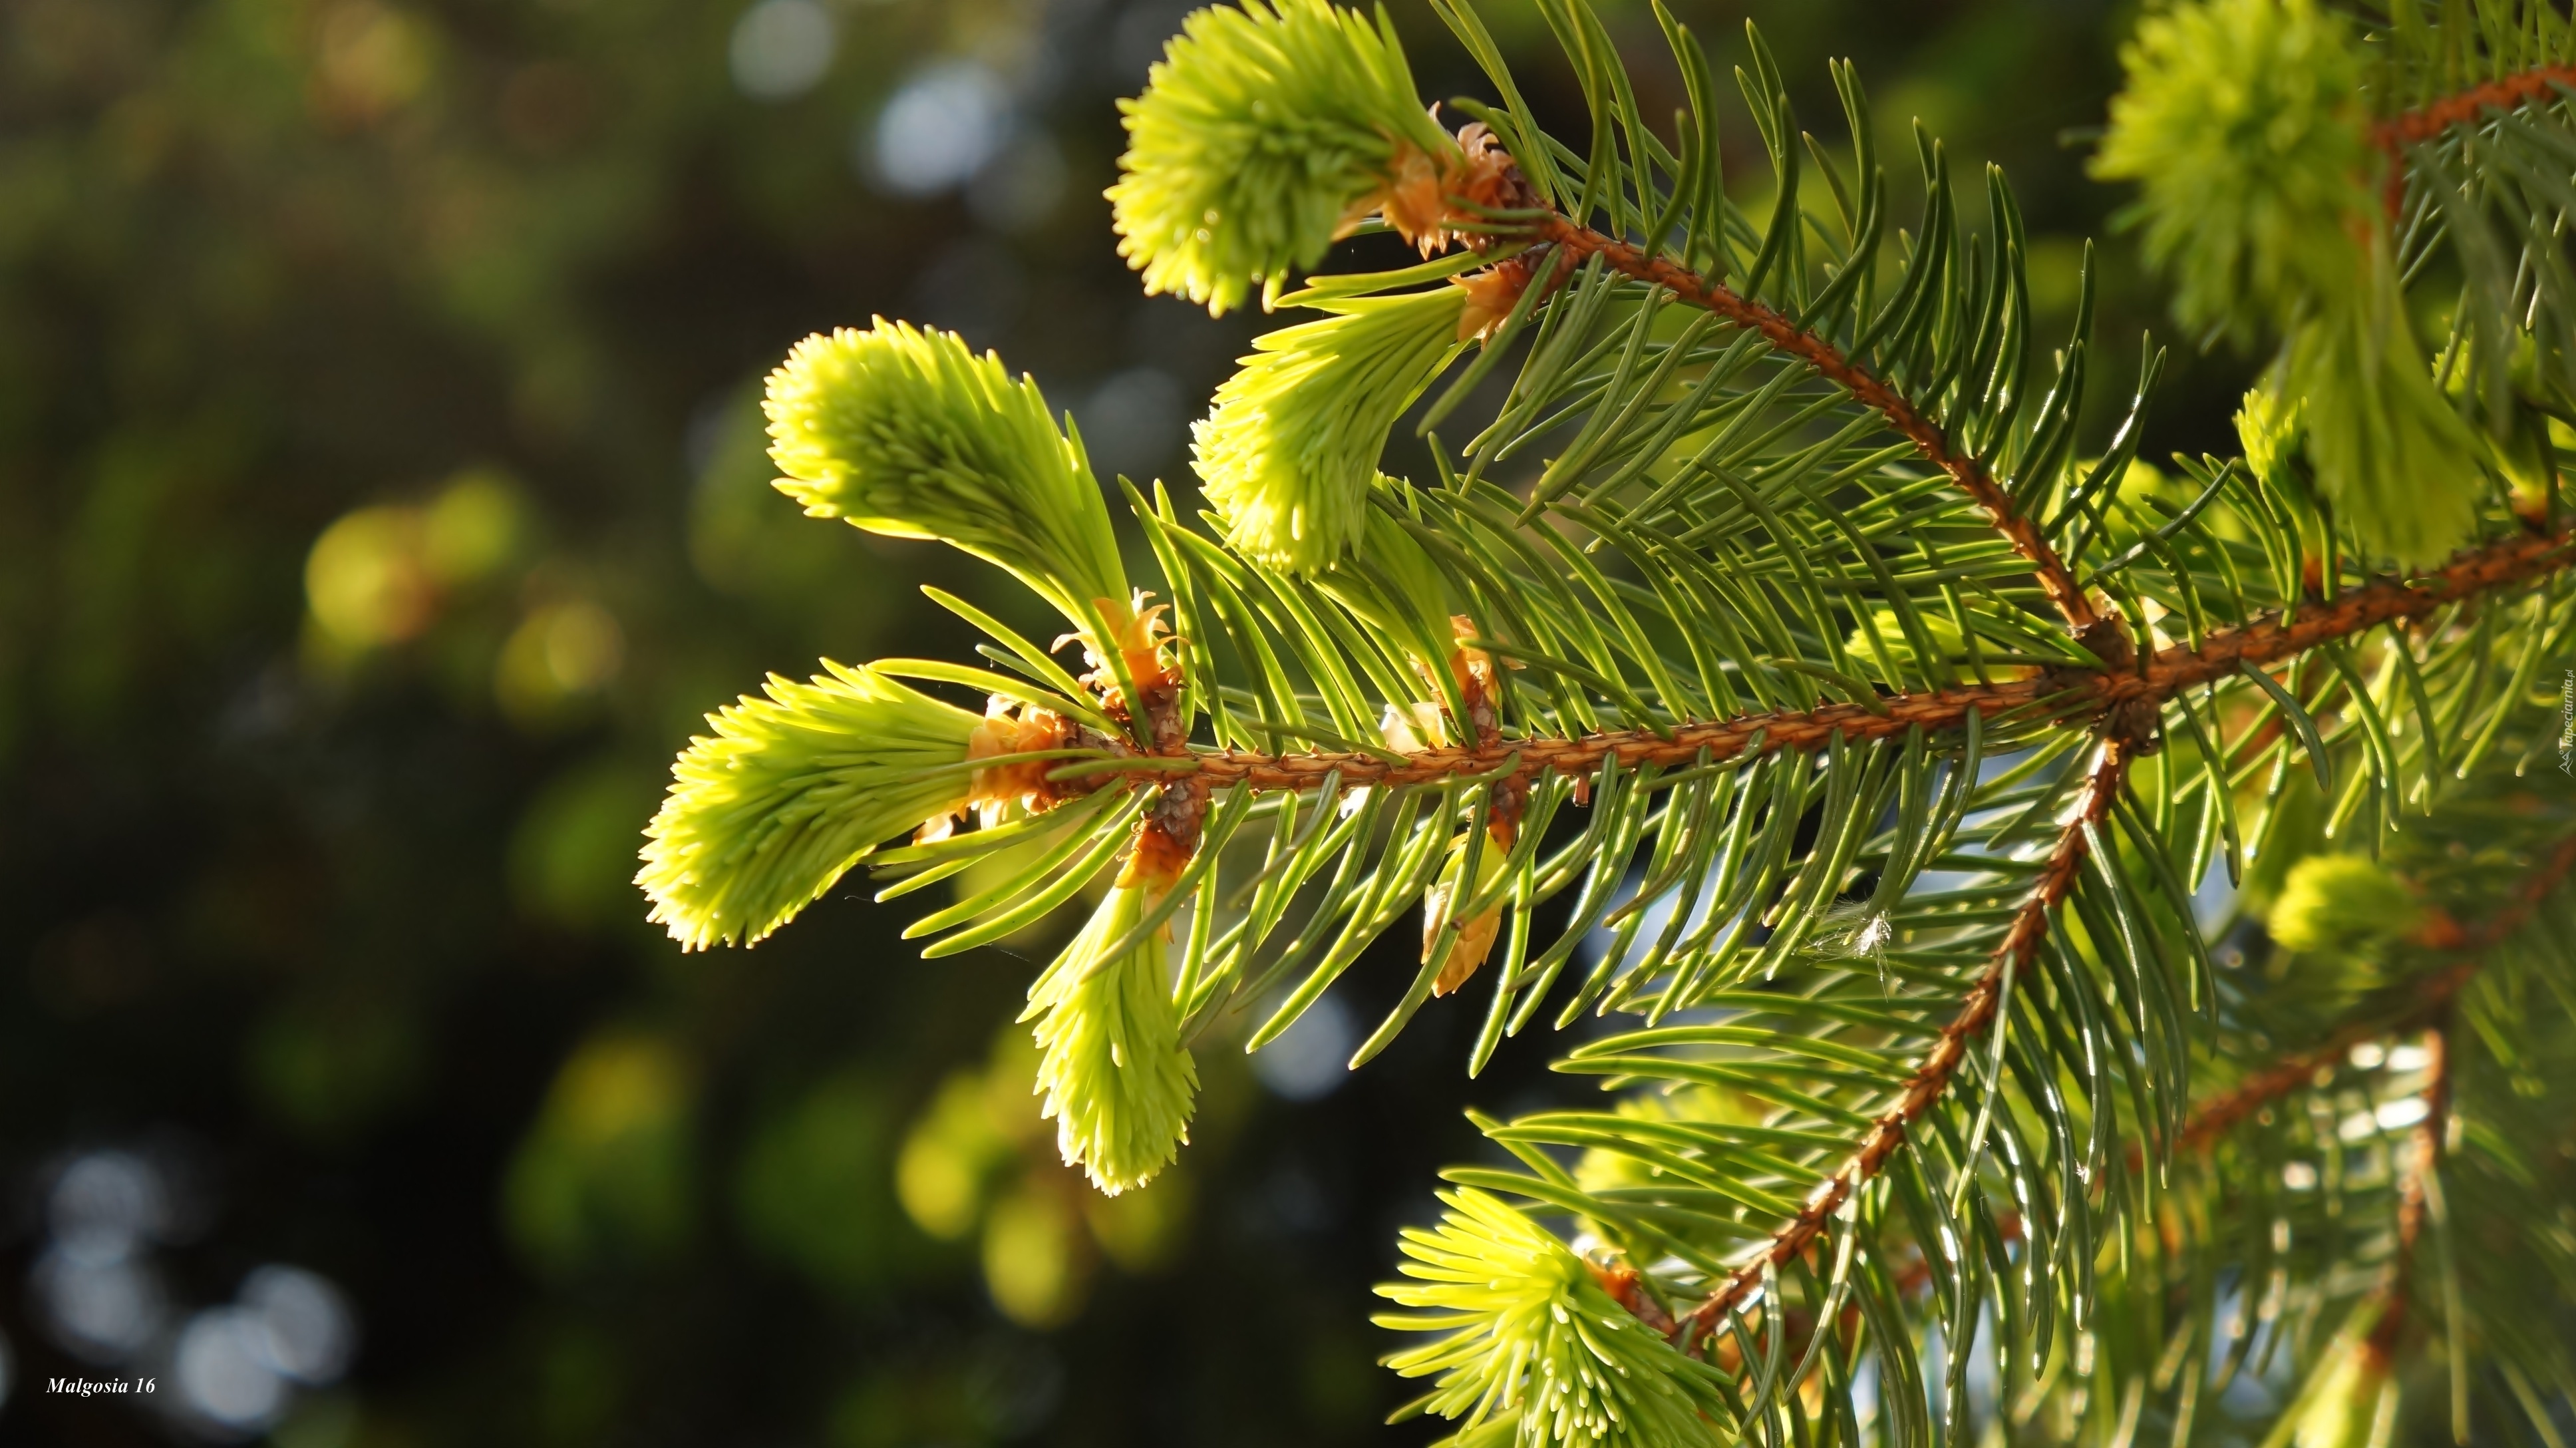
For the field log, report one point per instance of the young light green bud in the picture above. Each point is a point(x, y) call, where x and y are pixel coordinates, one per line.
point(790, 792)
point(1263, 133)
point(2388, 449)
point(2244, 120)
point(1528, 1331)
point(2272, 429)
point(1118, 1082)
point(908, 433)
point(1288, 451)
point(2342, 904)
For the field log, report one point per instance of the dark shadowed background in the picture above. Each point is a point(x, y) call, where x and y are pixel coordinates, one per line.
point(382, 501)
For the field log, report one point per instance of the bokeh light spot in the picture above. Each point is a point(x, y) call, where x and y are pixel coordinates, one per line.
point(374, 58)
point(782, 48)
point(940, 1175)
point(366, 581)
point(101, 1311)
point(472, 528)
point(307, 1331)
point(556, 656)
point(105, 1206)
point(1030, 1259)
point(1308, 1059)
point(939, 129)
point(605, 1174)
point(221, 1371)
point(1141, 1230)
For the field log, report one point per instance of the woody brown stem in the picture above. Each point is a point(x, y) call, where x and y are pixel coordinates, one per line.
point(2424, 122)
point(1865, 387)
point(2294, 1072)
point(2504, 93)
point(2074, 697)
point(1169, 832)
point(1940, 1065)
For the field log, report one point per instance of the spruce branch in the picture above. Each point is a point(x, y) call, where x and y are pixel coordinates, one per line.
point(1811, 656)
point(2430, 1007)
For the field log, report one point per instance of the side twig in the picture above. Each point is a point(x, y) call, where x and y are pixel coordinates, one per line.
point(2431, 1001)
point(1932, 1076)
point(2414, 127)
point(2504, 93)
point(1865, 387)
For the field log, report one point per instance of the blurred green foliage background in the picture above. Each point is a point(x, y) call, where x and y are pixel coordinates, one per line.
point(383, 499)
